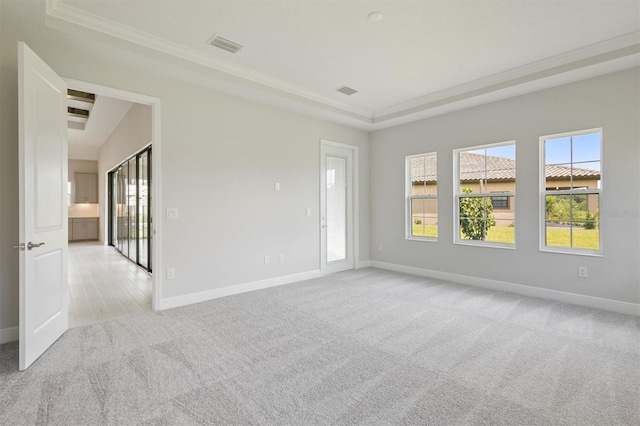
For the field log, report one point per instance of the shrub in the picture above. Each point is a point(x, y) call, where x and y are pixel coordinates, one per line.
point(476, 216)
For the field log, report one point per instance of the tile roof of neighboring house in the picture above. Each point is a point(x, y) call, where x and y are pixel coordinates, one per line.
point(472, 168)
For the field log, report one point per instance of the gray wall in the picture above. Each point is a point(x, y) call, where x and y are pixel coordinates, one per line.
point(130, 136)
point(220, 158)
point(611, 102)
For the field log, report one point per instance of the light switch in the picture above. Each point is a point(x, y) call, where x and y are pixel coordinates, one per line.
point(308, 212)
point(172, 213)
point(277, 186)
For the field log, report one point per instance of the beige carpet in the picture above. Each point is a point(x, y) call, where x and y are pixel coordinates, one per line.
point(363, 347)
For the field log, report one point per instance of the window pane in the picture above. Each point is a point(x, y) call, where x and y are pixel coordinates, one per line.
point(558, 176)
point(473, 217)
point(586, 175)
point(133, 203)
point(558, 209)
point(585, 238)
point(575, 227)
point(336, 209)
point(557, 235)
point(557, 151)
point(424, 217)
point(586, 147)
point(472, 169)
point(502, 232)
point(143, 211)
point(424, 172)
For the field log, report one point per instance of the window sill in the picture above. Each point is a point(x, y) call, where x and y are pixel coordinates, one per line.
point(559, 250)
point(424, 239)
point(485, 244)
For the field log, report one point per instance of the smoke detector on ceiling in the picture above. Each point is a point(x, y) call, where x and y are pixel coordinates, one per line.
point(224, 44)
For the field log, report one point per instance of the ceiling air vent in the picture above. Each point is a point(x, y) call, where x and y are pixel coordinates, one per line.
point(347, 90)
point(224, 44)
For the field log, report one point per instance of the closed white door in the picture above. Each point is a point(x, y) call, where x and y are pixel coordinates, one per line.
point(43, 214)
point(336, 209)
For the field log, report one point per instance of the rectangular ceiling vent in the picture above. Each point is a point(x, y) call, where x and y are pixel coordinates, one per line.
point(347, 90)
point(224, 44)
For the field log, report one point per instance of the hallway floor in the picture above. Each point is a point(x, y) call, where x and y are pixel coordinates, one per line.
point(104, 285)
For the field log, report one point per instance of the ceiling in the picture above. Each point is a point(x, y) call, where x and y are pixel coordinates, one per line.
point(423, 58)
point(105, 115)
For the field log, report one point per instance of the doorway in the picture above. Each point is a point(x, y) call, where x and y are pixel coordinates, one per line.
point(144, 248)
point(338, 206)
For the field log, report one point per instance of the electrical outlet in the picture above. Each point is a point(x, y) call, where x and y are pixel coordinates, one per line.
point(277, 186)
point(171, 273)
point(583, 272)
point(380, 246)
point(281, 258)
point(308, 212)
point(267, 260)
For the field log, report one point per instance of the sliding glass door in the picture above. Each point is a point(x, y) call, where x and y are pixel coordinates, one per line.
point(130, 221)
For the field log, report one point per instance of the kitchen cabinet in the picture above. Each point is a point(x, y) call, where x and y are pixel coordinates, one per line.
point(86, 188)
point(83, 229)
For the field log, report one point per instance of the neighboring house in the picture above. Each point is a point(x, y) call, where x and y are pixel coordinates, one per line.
point(500, 178)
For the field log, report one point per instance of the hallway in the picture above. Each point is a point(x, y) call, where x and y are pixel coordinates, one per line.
point(104, 285)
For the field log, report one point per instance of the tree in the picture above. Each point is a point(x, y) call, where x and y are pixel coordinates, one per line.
point(476, 216)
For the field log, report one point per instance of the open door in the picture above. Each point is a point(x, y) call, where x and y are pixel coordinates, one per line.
point(43, 211)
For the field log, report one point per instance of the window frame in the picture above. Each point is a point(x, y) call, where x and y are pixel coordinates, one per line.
point(457, 195)
point(409, 198)
point(544, 192)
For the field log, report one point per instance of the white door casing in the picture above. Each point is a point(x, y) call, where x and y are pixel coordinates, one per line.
point(337, 218)
point(43, 212)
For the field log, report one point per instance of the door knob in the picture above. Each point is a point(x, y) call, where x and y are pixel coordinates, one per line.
point(31, 245)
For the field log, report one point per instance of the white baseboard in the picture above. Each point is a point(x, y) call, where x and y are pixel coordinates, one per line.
point(8, 335)
point(363, 264)
point(188, 299)
point(525, 290)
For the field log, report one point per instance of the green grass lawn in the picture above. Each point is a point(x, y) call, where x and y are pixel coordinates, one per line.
point(424, 230)
point(582, 238)
point(556, 237)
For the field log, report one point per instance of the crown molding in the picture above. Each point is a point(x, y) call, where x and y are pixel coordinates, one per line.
point(59, 10)
point(598, 59)
point(608, 50)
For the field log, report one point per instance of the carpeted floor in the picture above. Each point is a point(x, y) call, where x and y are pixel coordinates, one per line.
point(361, 347)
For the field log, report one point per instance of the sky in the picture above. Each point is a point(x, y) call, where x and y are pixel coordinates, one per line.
point(583, 149)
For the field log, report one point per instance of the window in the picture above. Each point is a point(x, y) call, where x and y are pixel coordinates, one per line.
point(571, 186)
point(422, 197)
point(481, 216)
point(500, 201)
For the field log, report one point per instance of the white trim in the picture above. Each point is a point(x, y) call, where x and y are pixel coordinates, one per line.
point(203, 296)
point(355, 184)
point(363, 264)
point(154, 103)
point(10, 334)
point(525, 290)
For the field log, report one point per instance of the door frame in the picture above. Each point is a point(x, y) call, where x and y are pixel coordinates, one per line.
point(324, 144)
point(154, 103)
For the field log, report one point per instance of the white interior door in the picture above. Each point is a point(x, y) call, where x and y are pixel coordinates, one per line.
point(43, 212)
point(336, 209)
